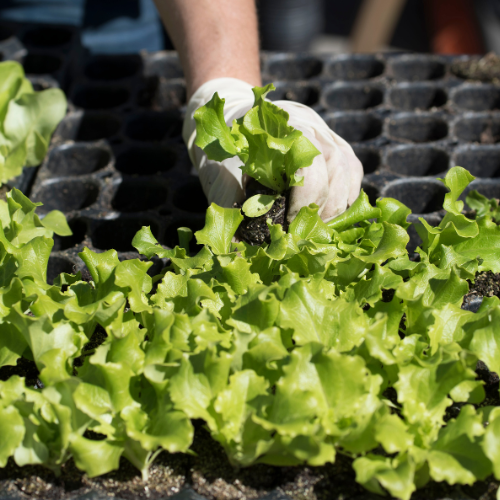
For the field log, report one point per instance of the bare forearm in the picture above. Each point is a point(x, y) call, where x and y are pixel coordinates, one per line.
point(214, 38)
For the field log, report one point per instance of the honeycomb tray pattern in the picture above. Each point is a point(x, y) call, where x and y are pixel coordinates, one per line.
point(117, 161)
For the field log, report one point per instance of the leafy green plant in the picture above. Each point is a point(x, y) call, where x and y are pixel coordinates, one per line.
point(27, 120)
point(270, 149)
point(289, 352)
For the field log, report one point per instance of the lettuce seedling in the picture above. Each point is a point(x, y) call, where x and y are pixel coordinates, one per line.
point(271, 151)
point(27, 120)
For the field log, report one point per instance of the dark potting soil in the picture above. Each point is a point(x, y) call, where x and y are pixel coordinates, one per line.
point(210, 475)
point(486, 284)
point(254, 230)
point(486, 69)
point(23, 368)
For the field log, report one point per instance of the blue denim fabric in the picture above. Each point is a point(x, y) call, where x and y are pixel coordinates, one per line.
point(108, 26)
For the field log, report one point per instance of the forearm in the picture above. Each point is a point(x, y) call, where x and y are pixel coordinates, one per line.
point(214, 38)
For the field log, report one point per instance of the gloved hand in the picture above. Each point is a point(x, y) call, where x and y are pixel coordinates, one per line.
point(332, 181)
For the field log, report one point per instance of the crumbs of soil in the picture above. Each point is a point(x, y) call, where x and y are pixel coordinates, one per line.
point(486, 69)
point(211, 475)
point(486, 284)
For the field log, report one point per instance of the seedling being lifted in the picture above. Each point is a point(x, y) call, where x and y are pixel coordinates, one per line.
point(271, 151)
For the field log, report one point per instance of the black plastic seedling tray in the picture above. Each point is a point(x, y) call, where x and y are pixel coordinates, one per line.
point(117, 162)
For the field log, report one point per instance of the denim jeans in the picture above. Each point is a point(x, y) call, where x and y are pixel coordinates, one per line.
point(108, 26)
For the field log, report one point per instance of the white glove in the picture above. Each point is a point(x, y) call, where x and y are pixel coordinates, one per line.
point(332, 181)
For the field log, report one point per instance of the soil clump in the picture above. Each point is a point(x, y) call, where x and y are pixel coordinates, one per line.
point(254, 230)
point(486, 284)
point(486, 69)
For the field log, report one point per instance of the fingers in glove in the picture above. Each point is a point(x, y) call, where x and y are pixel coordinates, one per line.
point(315, 188)
point(355, 169)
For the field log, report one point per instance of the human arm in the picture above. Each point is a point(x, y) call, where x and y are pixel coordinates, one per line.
point(217, 41)
point(214, 39)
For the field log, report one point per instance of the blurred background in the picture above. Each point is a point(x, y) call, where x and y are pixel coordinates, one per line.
point(438, 26)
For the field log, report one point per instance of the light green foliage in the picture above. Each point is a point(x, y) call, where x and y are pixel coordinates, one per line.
point(258, 205)
point(284, 351)
point(270, 149)
point(27, 121)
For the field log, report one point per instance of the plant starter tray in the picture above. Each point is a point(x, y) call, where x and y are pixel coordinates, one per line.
point(117, 162)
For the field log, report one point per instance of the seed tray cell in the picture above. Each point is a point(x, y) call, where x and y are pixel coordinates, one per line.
point(416, 68)
point(41, 64)
point(76, 159)
point(483, 128)
point(66, 195)
point(354, 67)
point(147, 159)
point(412, 96)
point(88, 126)
point(101, 96)
point(117, 232)
point(52, 37)
point(353, 96)
point(158, 93)
point(416, 160)
point(164, 64)
point(108, 68)
point(369, 157)
point(195, 223)
point(476, 97)
point(149, 126)
point(303, 92)
point(422, 196)
point(292, 67)
point(130, 194)
point(189, 196)
point(80, 228)
point(59, 264)
point(355, 126)
point(487, 187)
point(480, 160)
point(414, 127)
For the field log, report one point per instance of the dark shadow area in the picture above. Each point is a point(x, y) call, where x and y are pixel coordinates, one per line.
point(154, 127)
point(56, 266)
point(136, 195)
point(115, 67)
point(95, 126)
point(369, 157)
point(79, 228)
point(40, 64)
point(190, 197)
point(97, 97)
point(119, 233)
point(48, 37)
point(145, 160)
